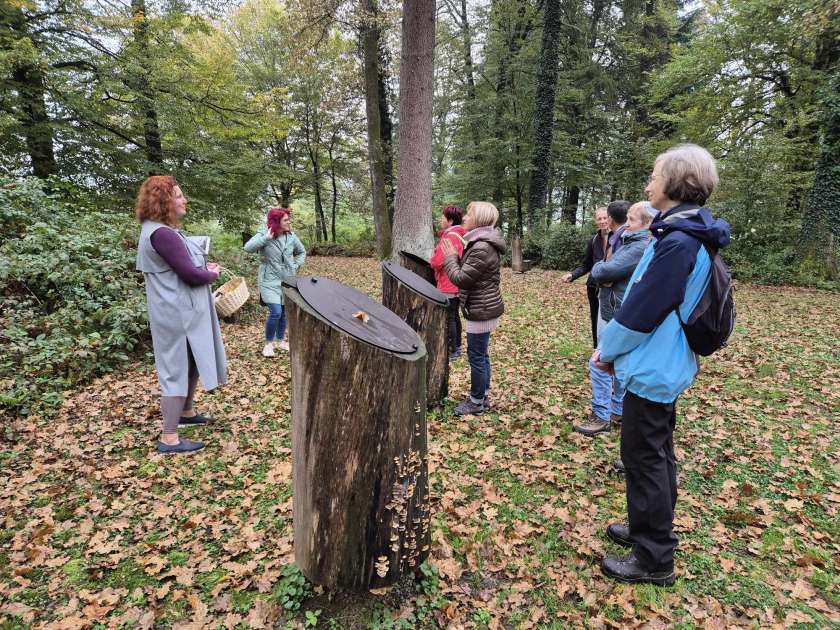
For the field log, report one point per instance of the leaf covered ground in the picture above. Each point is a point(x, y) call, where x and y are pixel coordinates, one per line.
point(100, 531)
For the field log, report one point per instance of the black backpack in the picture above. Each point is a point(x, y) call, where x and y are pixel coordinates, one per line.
point(712, 321)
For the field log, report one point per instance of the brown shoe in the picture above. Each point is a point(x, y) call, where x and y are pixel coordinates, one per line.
point(593, 426)
point(615, 418)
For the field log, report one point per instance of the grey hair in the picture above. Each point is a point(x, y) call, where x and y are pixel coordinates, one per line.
point(689, 172)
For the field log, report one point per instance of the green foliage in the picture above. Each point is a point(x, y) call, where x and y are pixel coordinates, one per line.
point(564, 246)
point(291, 589)
point(72, 307)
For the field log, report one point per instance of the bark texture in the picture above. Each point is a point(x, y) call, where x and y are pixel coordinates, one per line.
point(359, 446)
point(428, 319)
point(413, 230)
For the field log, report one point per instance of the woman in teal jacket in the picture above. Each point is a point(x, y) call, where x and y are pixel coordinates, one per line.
point(281, 255)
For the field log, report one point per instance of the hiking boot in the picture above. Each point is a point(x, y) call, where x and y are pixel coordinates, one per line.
point(619, 534)
point(615, 418)
point(618, 466)
point(593, 426)
point(183, 446)
point(629, 570)
point(469, 408)
point(268, 349)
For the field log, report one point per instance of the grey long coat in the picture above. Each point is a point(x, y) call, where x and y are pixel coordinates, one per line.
point(181, 317)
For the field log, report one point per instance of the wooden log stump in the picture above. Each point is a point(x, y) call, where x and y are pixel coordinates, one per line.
point(516, 263)
point(423, 307)
point(418, 265)
point(359, 445)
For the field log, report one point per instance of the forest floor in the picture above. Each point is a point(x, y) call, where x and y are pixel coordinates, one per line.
point(100, 531)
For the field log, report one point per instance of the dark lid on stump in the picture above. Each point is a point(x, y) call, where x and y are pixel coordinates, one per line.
point(415, 258)
point(345, 308)
point(416, 283)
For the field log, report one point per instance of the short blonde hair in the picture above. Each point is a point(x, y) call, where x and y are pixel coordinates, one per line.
point(648, 211)
point(689, 173)
point(601, 209)
point(485, 213)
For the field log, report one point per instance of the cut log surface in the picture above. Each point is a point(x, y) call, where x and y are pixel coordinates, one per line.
point(418, 265)
point(423, 308)
point(359, 444)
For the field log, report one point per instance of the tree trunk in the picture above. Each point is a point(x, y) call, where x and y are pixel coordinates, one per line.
point(334, 189)
point(544, 114)
point(570, 208)
point(376, 154)
point(320, 219)
point(413, 230)
point(145, 96)
point(423, 307)
point(516, 254)
point(386, 127)
point(359, 445)
point(33, 117)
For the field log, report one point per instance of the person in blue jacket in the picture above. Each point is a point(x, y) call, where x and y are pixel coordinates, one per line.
point(647, 349)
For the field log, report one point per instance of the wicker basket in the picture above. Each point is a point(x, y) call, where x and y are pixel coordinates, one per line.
point(230, 297)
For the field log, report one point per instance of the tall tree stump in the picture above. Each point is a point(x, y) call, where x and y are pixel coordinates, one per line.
point(423, 308)
point(418, 265)
point(359, 446)
point(518, 265)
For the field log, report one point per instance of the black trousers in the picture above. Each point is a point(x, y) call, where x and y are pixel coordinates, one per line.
point(453, 324)
point(592, 294)
point(647, 450)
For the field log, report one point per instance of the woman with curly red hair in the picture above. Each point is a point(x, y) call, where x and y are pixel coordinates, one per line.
point(186, 337)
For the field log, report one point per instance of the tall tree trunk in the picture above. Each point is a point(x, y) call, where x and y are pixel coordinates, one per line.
point(571, 206)
point(33, 117)
point(413, 230)
point(386, 126)
point(373, 110)
point(145, 95)
point(544, 114)
point(334, 188)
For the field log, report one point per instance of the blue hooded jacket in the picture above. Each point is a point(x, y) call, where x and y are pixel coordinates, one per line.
point(645, 341)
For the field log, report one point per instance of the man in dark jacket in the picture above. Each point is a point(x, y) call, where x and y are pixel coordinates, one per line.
point(595, 250)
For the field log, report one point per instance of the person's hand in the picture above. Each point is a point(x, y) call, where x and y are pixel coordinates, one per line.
point(214, 268)
point(604, 367)
point(448, 249)
point(566, 277)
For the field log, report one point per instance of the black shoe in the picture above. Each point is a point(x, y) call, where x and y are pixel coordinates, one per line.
point(618, 466)
point(619, 534)
point(455, 355)
point(183, 446)
point(627, 569)
point(469, 408)
point(183, 421)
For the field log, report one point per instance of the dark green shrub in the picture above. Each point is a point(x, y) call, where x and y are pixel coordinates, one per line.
point(564, 246)
point(71, 304)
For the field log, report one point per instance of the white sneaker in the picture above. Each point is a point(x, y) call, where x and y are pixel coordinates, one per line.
point(268, 350)
point(282, 345)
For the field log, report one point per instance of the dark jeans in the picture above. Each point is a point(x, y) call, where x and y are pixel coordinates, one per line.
point(453, 325)
point(478, 345)
point(592, 294)
point(275, 325)
point(647, 450)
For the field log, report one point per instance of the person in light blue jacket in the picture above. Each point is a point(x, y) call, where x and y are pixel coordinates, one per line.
point(647, 349)
point(612, 275)
point(281, 255)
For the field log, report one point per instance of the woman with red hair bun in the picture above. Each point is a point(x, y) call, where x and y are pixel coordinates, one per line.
point(281, 255)
point(186, 337)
